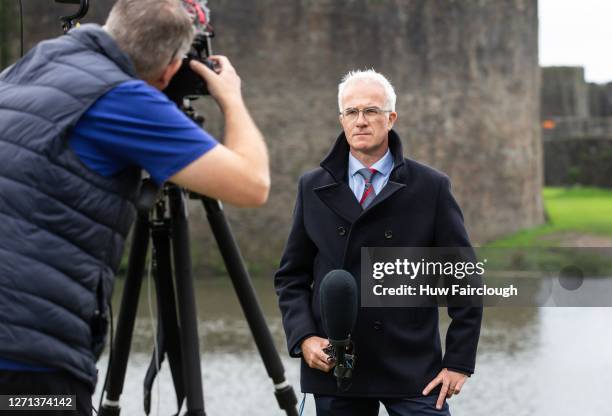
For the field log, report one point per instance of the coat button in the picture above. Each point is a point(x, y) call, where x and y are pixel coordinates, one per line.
point(388, 234)
point(377, 325)
point(341, 231)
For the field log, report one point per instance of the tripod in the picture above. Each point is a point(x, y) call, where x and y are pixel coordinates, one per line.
point(167, 226)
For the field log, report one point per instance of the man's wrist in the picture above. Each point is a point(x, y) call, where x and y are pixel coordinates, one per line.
point(231, 102)
point(300, 343)
point(307, 337)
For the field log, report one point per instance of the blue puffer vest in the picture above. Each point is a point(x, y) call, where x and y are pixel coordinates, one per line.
point(62, 226)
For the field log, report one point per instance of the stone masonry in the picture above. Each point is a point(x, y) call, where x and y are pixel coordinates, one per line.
point(465, 71)
point(577, 128)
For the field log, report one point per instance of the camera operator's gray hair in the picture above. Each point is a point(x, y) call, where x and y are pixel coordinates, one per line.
point(370, 75)
point(152, 32)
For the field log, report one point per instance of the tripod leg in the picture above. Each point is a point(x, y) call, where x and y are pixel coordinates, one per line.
point(250, 305)
point(127, 315)
point(190, 345)
point(168, 334)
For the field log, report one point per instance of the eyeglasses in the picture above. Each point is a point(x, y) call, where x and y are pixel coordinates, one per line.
point(369, 113)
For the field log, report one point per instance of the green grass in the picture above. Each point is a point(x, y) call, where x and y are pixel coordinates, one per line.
point(575, 209)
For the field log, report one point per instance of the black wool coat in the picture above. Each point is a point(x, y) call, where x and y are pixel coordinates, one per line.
point(398, 349)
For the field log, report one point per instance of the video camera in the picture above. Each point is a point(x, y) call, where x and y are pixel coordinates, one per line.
point(186, 83)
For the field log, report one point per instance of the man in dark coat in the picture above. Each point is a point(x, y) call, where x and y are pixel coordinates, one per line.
point(366, 194)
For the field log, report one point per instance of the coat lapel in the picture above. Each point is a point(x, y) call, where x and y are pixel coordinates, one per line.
point(340, 199)
point(389, 189)
point(337, 195)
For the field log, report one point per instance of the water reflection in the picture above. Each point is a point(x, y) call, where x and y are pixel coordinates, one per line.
point(544, 361)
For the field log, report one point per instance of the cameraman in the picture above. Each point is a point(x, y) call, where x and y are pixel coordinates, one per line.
point(80, 116)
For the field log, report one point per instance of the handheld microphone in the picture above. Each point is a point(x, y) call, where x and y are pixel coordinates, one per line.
point(339, 305)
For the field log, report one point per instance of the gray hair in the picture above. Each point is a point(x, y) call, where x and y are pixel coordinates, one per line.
point(370, 75)
point(152, 32)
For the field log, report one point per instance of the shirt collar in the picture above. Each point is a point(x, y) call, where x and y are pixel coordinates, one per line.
point(382, 165)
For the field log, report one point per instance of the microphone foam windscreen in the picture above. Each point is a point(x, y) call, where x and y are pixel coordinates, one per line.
point(339, 303)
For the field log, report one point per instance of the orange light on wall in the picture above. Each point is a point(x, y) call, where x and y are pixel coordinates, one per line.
point(548, 124)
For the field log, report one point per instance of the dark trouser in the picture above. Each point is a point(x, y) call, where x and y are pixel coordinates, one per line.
point(56, 383)
point(359, 406)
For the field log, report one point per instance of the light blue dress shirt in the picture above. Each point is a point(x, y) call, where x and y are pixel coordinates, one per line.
point(384, 166)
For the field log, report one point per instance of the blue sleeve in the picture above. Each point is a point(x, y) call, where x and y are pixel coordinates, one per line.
point(136, 125)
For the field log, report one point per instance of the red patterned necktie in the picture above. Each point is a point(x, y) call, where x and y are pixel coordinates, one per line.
point(368, 192)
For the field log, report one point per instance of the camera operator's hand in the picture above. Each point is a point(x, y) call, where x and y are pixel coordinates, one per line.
point(236, 171)
point(223, 83)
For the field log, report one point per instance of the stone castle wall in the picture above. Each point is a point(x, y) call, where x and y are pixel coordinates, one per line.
point(578, 151)
point(577, 131)
point(467, 79)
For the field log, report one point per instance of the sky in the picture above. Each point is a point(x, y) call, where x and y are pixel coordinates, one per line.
point(577, 33)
